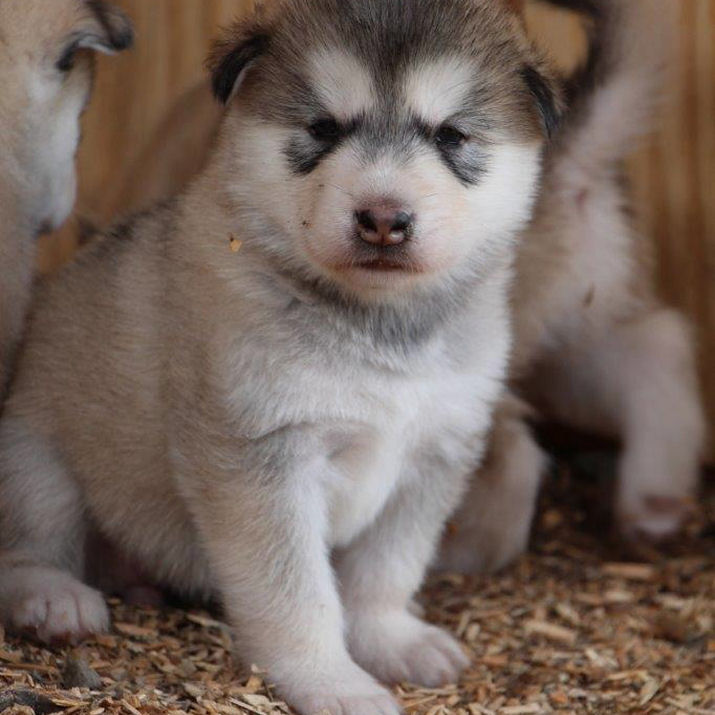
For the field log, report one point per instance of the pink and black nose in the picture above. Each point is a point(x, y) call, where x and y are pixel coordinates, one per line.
point(384, 225)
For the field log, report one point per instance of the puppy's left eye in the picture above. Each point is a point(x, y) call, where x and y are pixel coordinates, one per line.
point(448, 137)
point(67, 59)
point(325, 130)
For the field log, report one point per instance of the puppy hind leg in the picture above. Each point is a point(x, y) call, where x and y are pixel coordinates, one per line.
point(493, 524)
point(663, 424)
point(42, 544)
point(637, 382)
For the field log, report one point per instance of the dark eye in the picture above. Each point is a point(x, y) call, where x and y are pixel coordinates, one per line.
point(66, 61)
point(325, 130)
point(449, 137)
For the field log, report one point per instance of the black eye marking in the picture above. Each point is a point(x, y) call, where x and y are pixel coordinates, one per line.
point(319, 140)
point(326, 130)
point(67, 59)
point(449, 137)
point(305, 152)
point(464, 158)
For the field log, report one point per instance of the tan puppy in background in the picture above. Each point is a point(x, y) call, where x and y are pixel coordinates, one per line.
point(46, 78)
point(594, 349)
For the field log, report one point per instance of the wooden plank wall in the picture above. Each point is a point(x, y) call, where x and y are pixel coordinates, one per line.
point(674, 173)
point(675, 183)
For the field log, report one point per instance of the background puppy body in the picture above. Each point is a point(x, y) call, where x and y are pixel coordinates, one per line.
point(46, 78)
point(299, 417)
point(594, 347)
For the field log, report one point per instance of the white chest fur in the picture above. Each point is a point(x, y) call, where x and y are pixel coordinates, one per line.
point(367, 427)
point(406, 420)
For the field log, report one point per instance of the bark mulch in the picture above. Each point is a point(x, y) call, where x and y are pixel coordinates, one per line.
point(576, 626)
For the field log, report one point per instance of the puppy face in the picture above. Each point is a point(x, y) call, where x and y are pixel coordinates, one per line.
point(389, 144)
point(46, 70)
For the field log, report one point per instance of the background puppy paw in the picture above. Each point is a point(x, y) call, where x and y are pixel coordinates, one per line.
point(654, 517)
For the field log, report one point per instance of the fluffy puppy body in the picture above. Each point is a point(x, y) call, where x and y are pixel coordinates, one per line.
point(46, 76)
point(594, 347)
point(288, 426)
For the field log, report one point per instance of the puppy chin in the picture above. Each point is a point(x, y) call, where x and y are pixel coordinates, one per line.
point(386, 283)
point(377, 282)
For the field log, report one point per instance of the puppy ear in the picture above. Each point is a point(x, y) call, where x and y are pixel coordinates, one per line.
point(547, 95)
point(110, 30)
point(242, 44)
point(231, 60)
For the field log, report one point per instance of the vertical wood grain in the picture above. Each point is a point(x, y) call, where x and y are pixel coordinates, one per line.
point(674, 183)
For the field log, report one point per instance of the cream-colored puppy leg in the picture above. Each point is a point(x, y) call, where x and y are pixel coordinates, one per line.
point(41, 544)
point(653, 371)
point(264, 528)
point(493, 525)
point(379, 575)
point(637, 382)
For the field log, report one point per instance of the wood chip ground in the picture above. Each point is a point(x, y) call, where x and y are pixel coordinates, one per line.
point(574, 627)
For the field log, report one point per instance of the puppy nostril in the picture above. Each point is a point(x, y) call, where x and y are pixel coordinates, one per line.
point(403, 222)
point(366, 220)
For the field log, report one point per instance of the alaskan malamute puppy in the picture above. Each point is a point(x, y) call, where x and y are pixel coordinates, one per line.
point(275, 388)
point(594, 346)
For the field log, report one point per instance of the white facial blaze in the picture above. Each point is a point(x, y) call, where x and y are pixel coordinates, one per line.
point(342, 83)
point(438, 89)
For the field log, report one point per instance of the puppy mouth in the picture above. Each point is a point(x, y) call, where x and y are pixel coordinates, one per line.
point(384, 259)
point(385, 265)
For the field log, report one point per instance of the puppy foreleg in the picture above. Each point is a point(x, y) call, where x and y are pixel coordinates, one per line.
point(42, 544)
point(379, 575)
point(262, 520)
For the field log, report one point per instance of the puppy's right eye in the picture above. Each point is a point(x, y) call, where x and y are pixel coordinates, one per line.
point(325, 130)
point(448, 137)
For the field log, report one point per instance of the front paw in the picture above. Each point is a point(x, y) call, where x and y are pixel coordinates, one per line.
point(53, 606)
point(348, 691)
point(397, 647)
